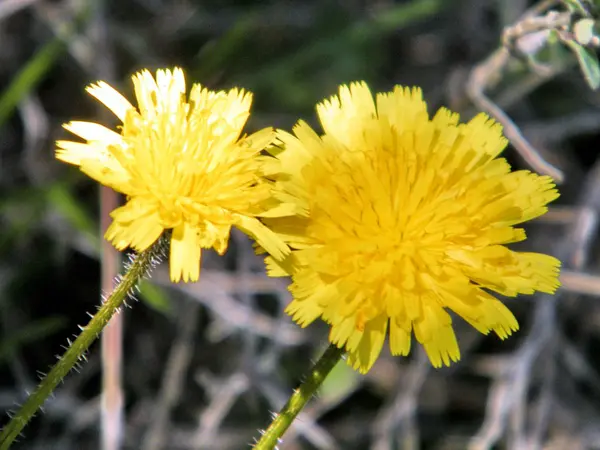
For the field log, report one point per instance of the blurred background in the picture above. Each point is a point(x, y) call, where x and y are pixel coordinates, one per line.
point(204, 365)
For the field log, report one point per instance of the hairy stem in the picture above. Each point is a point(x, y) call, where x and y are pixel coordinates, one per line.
point(315, 378)
point(138, 268)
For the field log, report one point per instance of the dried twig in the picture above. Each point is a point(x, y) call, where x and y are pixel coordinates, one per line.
point(222, 398)
point(396, 420)
point(173, 378)
point(488, 73)
point(234, 315)
point(580, 283)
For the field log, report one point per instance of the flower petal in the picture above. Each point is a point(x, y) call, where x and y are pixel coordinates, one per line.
point(264, 237)
point(371, 343)
point(136, 225)
point(185, 254)
point(111, 98)
point(94, 132)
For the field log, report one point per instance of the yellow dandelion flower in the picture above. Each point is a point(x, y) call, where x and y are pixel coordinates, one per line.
point(401, 219)
point(183, 165)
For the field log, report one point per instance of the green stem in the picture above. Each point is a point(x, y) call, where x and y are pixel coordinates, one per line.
point(138, 268)
point(299, 398)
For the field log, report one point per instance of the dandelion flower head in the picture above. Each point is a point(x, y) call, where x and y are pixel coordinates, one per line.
point(401, 219)
point(183, 165)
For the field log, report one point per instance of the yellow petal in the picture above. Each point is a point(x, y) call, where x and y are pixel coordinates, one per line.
point(74, 152)
point(435, 332)
point(303, 313)
point(94, 132)
point(134, 226)
point(400, 336)
point(185, 254)
point(111, 98)
point(279, 268)
point(371, 343)
point(266, 238)
point(260, 140)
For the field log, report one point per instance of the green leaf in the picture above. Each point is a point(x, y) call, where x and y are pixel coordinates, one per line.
point(588, 61)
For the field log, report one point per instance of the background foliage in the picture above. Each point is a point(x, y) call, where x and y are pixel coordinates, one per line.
point(204, 364)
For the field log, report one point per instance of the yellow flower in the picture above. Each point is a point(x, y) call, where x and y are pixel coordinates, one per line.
point(401, 219)
point(182, 165)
